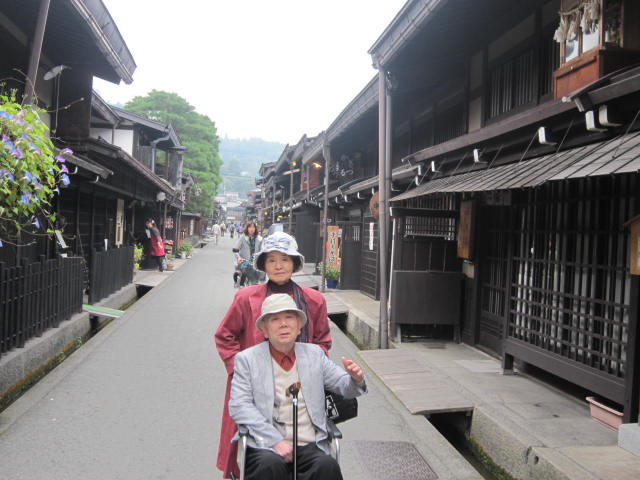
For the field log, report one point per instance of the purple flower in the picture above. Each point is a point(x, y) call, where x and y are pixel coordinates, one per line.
point(60, 159)
point(4, 114)
point(28, 176)
point(1, 244)
point(38, 185)
point(6, 173)
point(36, 222)
point(57, 190)
point(25, 198)
point(35, 148)
point(17, 152)
point(65, 179)
point(67, 151)
point(64, 169)
point(7, 141)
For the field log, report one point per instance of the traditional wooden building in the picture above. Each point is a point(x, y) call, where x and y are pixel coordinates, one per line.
point(521, 125)
point(51, 52)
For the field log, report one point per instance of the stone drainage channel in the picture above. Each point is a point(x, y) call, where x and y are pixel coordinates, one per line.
point(454, 427)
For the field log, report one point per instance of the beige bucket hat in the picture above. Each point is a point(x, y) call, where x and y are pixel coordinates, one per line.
point(276, 303)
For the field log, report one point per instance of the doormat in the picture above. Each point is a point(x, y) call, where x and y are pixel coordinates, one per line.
point(392, 461)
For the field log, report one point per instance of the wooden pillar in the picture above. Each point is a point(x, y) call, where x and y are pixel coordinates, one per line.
point(632, 372)
point(36, 50)
point(92, 232)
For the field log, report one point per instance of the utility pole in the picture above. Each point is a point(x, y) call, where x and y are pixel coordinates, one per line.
point(383, 219)
point(326, 153)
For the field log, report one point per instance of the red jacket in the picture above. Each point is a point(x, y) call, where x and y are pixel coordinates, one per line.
point(157, 245)
point(238, 331)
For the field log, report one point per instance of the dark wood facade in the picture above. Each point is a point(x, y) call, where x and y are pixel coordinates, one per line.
point(545, 265)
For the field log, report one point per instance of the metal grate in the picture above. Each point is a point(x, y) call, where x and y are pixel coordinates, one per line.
point(570, 290)
point(393, 460)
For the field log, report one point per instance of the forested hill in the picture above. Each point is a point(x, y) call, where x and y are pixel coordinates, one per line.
point(241, 160)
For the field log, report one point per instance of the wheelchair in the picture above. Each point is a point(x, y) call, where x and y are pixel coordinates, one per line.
point(334, 433)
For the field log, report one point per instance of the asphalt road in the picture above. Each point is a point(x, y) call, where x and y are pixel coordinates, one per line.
point(142, 399)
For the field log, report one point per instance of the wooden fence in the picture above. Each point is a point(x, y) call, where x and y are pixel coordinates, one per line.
point(110, 270)
point(37, 296)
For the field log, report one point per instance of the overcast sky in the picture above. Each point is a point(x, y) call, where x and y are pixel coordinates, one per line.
point(273, 69)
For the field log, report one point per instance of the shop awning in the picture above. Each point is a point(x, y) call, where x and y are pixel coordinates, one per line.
point(614, 156)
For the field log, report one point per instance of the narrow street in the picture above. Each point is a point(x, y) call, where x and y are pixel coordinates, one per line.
point(142, 399)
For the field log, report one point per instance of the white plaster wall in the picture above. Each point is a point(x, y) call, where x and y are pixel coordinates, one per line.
point(122, 138)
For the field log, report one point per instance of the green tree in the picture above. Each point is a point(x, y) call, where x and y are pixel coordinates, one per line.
point(197, 132)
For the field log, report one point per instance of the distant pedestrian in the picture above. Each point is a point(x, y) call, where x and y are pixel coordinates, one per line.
point(157, 245)
point(232, 229)
point(216, 232)
point(223, 228)
point(248, 244)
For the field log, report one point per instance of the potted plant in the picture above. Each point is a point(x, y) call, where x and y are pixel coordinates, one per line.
point(332, 275)
point(137, 256)
point(184, 250)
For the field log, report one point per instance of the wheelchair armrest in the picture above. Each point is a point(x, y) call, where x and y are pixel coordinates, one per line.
point(333, 430)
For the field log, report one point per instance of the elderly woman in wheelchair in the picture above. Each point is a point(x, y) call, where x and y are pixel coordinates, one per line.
point(278, 398)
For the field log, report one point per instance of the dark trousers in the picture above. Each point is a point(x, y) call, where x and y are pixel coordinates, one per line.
point(313, 464)
point(159, 262)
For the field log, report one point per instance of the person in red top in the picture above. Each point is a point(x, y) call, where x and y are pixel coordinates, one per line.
point(279, 258)
point(157, 245)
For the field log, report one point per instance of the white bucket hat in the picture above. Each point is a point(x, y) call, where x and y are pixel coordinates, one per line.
point(279, 242)
point(276, 303)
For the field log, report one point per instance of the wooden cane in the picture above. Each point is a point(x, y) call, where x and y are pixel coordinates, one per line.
point(293, 389)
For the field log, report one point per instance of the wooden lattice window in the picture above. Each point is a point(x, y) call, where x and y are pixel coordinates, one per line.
point(570, 285)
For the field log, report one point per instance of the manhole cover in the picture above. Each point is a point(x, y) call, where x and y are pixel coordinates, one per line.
point(393, 461)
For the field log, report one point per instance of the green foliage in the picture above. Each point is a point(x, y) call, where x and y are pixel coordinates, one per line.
point(197, 132)
point(29, 170)
point(138, 253)
point(186, 248)
point(332, 272)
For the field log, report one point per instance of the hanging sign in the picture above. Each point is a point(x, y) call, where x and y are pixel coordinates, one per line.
point(333, 246)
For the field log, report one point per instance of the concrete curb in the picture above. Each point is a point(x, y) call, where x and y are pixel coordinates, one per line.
point(20, 366)
point(519, 453)
point(360, 329)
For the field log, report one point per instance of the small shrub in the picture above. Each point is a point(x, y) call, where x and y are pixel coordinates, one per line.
point(186, 248)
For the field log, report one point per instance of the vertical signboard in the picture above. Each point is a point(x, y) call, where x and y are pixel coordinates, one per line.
point(333, 246)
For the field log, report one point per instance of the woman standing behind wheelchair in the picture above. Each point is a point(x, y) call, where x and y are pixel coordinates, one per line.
point(245, 248)
point(279, 258)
